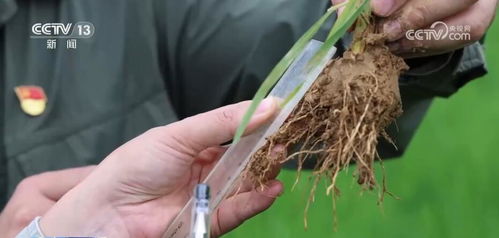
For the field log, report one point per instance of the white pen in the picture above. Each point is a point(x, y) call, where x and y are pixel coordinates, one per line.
point(200, 227)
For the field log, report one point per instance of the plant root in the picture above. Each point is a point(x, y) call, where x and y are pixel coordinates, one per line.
point(340, 119)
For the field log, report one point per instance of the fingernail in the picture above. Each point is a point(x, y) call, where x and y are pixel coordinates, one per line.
point(340, 10)
point(274, 189)
point(277, 151)
point(281, 192)
point(392, 29)
point(266, 105)
point(383, 7)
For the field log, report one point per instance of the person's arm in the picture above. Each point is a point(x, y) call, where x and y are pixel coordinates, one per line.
point(433, 76)
point(439, 67)
point(35, 195)
point(443, 75)
point(139, 188)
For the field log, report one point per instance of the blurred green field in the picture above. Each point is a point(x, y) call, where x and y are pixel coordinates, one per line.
point(448, 180)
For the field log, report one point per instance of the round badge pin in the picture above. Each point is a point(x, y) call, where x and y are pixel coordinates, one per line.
point(33, 100)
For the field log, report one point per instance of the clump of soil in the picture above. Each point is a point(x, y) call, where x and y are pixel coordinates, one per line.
point(341, 117)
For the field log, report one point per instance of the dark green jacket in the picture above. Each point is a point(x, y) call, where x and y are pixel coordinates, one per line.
point(152, 62)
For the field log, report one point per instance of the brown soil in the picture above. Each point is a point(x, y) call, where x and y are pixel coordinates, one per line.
point(340, 118)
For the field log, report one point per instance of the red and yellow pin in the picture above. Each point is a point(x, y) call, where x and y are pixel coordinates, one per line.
point(32, 98)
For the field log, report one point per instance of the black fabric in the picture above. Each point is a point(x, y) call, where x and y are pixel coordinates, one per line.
point(3, 157)
point(148, 64)
point(151, 63)
point(218, 51)
point(100, 95)
point(472, 65)
point(7, 9)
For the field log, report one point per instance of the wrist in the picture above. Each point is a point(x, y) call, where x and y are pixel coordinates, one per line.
point(81, 212)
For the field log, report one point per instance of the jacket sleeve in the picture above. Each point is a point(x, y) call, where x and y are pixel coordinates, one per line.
point(436, 76)
point(443, 75)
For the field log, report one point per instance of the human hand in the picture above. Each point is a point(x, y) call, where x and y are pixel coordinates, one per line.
point(139, 189)
point(35, 195)
point(401, 16)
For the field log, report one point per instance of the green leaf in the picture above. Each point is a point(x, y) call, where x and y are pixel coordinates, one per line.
point(340, 27)
point(352, 11)
point(291, 95)
point(278, 71)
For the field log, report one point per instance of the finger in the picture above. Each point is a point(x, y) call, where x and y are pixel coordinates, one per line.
point(385, 8)
point(247, 183)
point(194, 134)
point(235, 210)
point(206, 160)
point(420, 13)
point(211, 154)
point(26, 213)
point(336, 2)
point(473, 23)
point(55, 184)
point(275, 169)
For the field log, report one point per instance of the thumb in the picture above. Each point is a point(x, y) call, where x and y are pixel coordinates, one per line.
point(194, 134)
